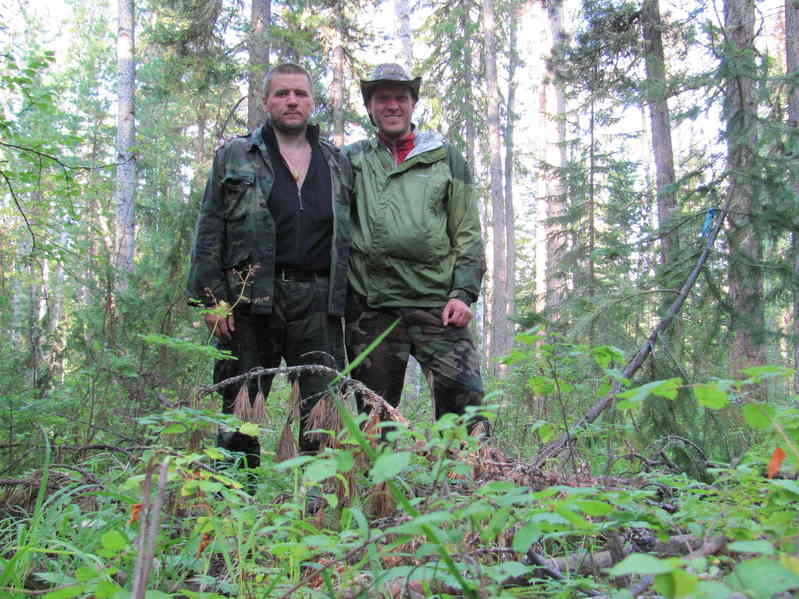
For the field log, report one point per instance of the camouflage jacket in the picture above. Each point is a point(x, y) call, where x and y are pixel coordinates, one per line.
point(416, 238)
point(234, 249)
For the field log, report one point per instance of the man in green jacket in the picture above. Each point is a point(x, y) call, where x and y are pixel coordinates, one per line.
point(271, 250)
point(417, 252)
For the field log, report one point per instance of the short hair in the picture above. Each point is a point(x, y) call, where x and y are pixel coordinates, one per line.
point(287, 68)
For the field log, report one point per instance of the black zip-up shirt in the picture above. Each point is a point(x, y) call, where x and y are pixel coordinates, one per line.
point(303, 217)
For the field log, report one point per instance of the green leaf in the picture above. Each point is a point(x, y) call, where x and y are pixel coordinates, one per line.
point(345, 461)
point(564, 509)
point(593, 508)
point(788, 485)
point(763, 547)
point(604, 355)
point(542, 385)
point(758, 373)
point(675, 584)
point(320, 470)
point(667, 388)
point(294, 462)
point(761, 578)
point(389, 465)
point(85, 574)
point(174, 428)
point(106, 589)
point(214, 453)
point(504, 570)
point(641, 563)
point(711, 396)
point(525, 537)
point(711, 589)
point(66, 593)
point(758, 415)
point(250, 428)
point(113, 540)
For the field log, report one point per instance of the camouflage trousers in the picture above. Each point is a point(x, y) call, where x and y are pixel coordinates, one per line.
point(447, 354)
point(300, 331)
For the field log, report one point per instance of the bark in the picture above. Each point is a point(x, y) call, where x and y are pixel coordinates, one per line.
point(337, 85)
point(745, 272)
point(402, 11)
point(660, 125)
point(792, 69)
point(259, 46)
point(591, 221)
point(556, 283)
point(499, 275)
point(510, 224)
point(126, 131)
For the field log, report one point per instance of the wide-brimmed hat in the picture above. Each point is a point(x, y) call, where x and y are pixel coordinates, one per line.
point(389, 73)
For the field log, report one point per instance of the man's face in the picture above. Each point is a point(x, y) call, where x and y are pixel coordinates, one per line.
point(391, 108)
point(289, 102)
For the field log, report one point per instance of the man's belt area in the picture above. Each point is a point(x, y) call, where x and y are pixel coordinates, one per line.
point(292, 274)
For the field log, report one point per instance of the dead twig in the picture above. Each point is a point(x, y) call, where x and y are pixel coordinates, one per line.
point(148, 532)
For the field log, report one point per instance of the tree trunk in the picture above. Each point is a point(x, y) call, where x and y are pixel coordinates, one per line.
point(260, 19)
point(745, 273)
point(591, 221)
point(556, 282)
point(659, 125)
point(337, 85)
point(402, 11)
point(126, 132)
point(510, 224)
point(792, 70)
point(499, 274)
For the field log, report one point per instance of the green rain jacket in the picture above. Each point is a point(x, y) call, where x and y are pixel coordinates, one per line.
point(234, 250)
point(416, 238)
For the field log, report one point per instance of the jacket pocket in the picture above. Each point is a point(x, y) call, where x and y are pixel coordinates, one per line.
point(239, 186)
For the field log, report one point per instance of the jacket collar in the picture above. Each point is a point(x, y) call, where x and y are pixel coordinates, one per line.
point(260, 137)
point(424, 141)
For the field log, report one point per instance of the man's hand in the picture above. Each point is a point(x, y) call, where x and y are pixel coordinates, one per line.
point(456, 313)
point(221, 322)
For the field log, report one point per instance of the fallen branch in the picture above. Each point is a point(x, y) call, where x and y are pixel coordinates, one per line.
point(350, 384)
point(554, 448)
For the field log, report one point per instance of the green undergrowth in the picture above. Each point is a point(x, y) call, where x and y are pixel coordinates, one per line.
point(431, 512)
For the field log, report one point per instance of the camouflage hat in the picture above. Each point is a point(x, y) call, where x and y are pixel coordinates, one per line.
point(389, 73)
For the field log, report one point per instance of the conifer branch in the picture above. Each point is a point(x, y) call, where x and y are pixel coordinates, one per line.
point(553, 448)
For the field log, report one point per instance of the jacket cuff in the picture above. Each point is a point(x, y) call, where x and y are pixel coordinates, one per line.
point(463, 295)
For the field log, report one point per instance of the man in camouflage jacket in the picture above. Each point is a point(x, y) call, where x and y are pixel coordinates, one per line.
point(417, 252)
point(271, 250)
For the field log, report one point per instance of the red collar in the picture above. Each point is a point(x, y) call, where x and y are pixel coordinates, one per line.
point(400, 148)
